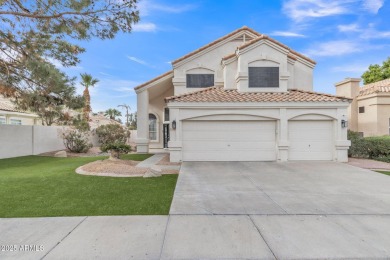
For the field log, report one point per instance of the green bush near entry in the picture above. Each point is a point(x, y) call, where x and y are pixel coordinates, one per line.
point(377, 147)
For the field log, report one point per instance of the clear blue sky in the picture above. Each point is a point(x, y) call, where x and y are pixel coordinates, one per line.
point(343, 36)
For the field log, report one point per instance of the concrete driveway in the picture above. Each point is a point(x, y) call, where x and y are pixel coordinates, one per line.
point(230, 211)
point(265, 188)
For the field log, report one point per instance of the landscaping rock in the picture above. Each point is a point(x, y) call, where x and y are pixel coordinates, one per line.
point(60, 154)
point(154, 171)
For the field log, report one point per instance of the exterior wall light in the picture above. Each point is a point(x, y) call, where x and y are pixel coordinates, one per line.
point(344, 123)
point(174, 124)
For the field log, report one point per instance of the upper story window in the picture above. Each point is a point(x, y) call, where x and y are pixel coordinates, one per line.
point(263, 77)
point(15, 122)
point(200, 80)
point(361, 110)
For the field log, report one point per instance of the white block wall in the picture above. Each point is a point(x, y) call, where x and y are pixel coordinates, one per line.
point(23, 140)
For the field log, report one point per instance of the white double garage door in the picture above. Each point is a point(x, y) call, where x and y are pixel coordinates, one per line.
point(255, 140)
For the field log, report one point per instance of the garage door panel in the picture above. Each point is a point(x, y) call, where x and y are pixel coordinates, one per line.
point(238, 126)
point(223, 146)
point(233, 135)
point(226, 156)
point(229, 141)
point(311, 140)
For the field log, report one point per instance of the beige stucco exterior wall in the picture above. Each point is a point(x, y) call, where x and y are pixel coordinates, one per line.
point(297, 74)
point(210, 61)
point(375, 119)
point(384, 117)
point(350, 88)
point(302, 77)
point(368, 120)
point(156, 107)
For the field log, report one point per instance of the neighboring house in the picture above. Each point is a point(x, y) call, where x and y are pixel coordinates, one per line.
point(369, 113)
point(9, 115)
point(243, 97)
point(99, 119)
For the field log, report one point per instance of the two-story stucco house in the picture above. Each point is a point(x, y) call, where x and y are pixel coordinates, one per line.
point(243, 97)
point(369, 113)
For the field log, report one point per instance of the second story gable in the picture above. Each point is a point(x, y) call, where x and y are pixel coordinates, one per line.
point(244, 60)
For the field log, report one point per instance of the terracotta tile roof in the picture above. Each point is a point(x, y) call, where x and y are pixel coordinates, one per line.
point(382, 86)
point(7, 105)
point(218, 94)
point(262, 37)
point(244, 28)
point(291, 56)
point(152, 80)
point(229, 56)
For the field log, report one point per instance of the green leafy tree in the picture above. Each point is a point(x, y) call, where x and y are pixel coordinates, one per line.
point(377, 72)
point(112, 113)
point(52, 101)
point(87, 81)
point(37, 34)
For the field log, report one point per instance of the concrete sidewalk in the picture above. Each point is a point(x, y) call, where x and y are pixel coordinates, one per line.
point(198, 237)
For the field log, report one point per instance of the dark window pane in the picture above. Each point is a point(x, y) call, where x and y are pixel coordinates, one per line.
point(200, 80)
point(166, 114)
point(361, 110)
point(263, 77)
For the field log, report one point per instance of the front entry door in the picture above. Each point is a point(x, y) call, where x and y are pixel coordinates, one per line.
point(166, 135)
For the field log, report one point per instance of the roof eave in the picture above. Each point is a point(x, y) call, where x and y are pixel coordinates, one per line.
point(153, 82)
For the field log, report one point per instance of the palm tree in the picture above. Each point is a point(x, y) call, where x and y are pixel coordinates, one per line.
point(87, 81)
point(112, 113)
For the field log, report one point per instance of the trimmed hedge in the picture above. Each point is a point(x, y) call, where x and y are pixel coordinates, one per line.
point(376, 147)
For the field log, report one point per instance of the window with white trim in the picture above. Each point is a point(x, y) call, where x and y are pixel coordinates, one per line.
point(152, 127)
point(200, 80)
point(2, 121)
point(263, 77)
point(15, 121)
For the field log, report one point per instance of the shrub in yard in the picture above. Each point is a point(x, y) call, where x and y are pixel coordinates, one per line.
point(369, 147)
point(76, 141)
point(116, 149)
point(111, 134)
point(357, 144)
point(378, 146)
point(113, 139)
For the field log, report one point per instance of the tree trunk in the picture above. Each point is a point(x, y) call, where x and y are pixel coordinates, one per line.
point(114, 155)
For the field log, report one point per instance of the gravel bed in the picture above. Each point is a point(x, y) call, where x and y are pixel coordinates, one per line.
point(117, 168)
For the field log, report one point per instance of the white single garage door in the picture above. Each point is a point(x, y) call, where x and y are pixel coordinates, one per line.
point(229, 141)
point(311, 140)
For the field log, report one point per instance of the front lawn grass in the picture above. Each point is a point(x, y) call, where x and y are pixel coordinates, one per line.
point(135, 156)
point(384, 172)
point(35, 186)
